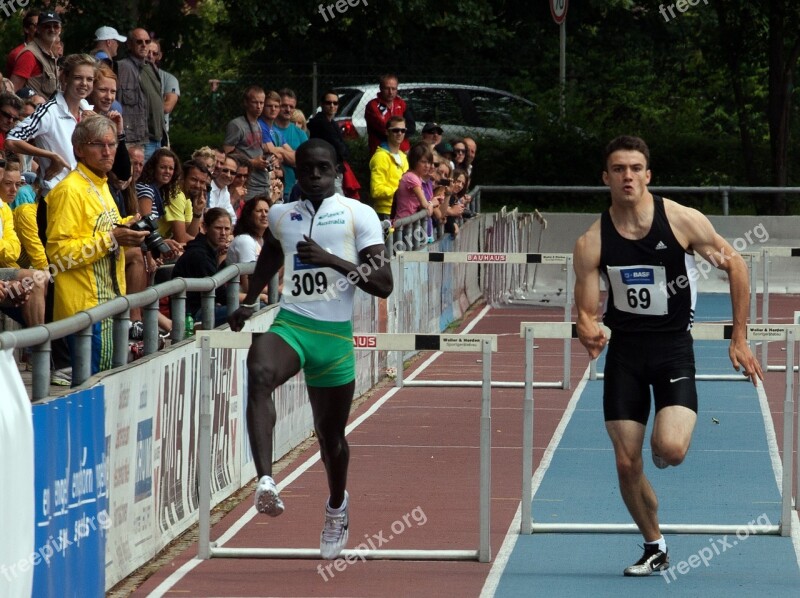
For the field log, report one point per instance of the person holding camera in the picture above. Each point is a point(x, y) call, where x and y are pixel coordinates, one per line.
point(85, 234)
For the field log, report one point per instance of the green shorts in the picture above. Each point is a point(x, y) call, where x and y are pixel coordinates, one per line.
point(325, 349)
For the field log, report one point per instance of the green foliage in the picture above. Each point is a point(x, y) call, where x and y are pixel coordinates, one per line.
point(703, 88)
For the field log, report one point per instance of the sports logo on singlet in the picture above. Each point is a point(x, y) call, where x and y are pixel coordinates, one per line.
point(636, 289)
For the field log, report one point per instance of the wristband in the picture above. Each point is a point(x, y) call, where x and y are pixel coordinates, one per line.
point(250, 305)
point(197, 215)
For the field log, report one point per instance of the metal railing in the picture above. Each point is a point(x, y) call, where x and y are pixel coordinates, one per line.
point(39, 338)
point(723, 191)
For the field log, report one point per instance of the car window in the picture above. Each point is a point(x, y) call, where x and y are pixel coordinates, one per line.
point(433, 105)
point(499, 111)
point(348, 100)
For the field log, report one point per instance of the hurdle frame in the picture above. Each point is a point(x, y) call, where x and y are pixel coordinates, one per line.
point(484, 258)
point(767, 253)
point(705, 331)
point(486, 344)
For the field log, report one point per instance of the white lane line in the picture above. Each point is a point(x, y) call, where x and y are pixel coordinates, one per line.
point(777, 466)
point(184, 570)
point(501, 560)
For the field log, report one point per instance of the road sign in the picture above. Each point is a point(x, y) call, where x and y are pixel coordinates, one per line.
point(558, 8)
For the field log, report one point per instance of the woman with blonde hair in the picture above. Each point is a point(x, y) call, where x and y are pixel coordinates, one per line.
point(299, 119)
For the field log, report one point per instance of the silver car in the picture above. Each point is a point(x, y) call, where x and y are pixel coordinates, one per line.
point(461, 110)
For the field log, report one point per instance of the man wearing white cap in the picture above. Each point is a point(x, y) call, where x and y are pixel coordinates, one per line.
point(107, 40)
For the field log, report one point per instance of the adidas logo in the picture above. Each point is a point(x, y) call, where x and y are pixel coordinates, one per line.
point(661, 245)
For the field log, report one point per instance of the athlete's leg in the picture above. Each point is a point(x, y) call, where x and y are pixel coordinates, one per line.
point(270, 363)
point(331, 409)
point(627, 436)
point(672, 433)
point(675, 394)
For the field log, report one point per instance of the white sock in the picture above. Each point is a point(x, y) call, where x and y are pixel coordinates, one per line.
point(340, 508)
point(661, 542)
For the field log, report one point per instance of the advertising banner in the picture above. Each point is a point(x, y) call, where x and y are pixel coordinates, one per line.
point(71, 496)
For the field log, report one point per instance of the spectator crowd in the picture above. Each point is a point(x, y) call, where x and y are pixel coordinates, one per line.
point(95, 202)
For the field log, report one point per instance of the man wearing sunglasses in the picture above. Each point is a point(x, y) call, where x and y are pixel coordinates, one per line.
point(220, 197)
point(386, 166)
point(10, 106)
point(323, 126)
point(139, 88)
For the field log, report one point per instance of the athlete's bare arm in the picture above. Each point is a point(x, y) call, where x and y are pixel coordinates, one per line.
point(372, 275)
point(694, 231)
point(586, 262)
point(269, 262)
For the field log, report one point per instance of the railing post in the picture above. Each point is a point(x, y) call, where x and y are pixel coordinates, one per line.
point(82, 360)
point(272, 290)
point(151, 328)
point(208, 302)
point(232, 294)
point(40, 360)
point(725, 207)
point(178, 305)
point(120, 333)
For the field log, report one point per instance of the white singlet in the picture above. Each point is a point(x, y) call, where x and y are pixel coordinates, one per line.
point(343, 227)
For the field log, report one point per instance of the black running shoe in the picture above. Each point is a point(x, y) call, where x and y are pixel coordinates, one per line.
point(652, 560)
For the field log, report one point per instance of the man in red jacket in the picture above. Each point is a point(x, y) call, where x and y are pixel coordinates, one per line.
point(381, 108)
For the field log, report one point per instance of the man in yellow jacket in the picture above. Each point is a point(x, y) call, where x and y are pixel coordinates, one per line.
point(29, 290)
point(386, 166)
point(85, 235)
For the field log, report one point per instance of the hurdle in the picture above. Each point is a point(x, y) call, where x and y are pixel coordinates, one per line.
point(484, 258)
point(770, 252)
point(790, 333)
point(474, 343)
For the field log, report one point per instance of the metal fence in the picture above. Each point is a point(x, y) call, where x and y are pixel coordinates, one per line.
point(724, 192)
point(39, 338)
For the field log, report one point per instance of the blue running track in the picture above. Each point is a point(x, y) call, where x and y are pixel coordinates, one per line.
point(728, 477)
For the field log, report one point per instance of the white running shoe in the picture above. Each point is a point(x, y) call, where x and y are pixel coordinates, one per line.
point(335, 533)
point(267, 499)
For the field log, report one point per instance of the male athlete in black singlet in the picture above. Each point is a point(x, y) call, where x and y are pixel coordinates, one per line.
point(644, 246)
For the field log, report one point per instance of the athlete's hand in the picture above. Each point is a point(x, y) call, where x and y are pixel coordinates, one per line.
point(237, 319)
point(594, 339)
point(310, 252)
point(741, 356)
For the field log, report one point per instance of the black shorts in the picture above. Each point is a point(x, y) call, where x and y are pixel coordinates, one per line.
point(637, 361)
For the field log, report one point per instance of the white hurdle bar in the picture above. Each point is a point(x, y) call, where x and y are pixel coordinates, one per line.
point(770, 252)
point(485, 258)
point(755, 332)
point(475, 343)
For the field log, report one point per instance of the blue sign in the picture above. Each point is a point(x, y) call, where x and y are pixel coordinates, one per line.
point(71, 486)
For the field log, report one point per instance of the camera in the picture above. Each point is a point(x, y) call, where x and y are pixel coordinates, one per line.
point(445, 182)
point(270, 158)
point(154, 242)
